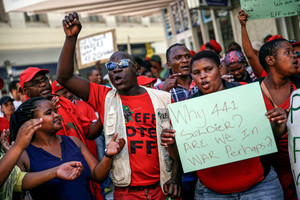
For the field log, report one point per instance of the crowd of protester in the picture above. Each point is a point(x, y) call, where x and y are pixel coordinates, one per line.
point(77, 138)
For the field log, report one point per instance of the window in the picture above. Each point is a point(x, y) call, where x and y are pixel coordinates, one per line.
point(32, 18)
point(94, 18)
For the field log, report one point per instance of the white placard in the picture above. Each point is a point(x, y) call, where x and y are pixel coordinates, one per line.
point(97, 47)
point(293, 125)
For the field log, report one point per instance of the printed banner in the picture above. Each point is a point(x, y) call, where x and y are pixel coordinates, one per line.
point(222, 127)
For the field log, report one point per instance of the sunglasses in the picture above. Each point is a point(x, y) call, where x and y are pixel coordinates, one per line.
point(110, 66)
point(297, 53)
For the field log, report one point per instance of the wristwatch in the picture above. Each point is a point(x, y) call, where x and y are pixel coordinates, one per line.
point(105, 153)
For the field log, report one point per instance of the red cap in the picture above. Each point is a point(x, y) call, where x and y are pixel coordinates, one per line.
point(215, 45)
point(1, 83)
point(275, 37)
point(144, 80)
point(29, 73)
point(56, 86)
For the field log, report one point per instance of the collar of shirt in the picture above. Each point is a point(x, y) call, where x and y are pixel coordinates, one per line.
point(180, 93)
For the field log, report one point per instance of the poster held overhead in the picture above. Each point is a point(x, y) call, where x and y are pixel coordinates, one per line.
point(257, 9)
point(96, 47)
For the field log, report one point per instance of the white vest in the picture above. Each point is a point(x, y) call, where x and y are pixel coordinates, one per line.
point(114, 122)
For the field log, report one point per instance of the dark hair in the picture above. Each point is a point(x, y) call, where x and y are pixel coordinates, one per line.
point(24, 113)
point(206, 54)
point(146, 71)
point(91, 71)
point(269, 49)
point(169, 50)
point(208, 45)
point(147, 64)
point(138, 60)
point(13, 85)
point(234, 46)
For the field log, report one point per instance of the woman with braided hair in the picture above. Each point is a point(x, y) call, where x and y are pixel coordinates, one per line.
point(48, 150)
point(12, 179)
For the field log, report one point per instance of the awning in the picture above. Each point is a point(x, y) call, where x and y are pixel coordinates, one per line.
point(90, 7)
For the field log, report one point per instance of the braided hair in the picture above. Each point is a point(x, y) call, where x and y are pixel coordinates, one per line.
point(24, 113)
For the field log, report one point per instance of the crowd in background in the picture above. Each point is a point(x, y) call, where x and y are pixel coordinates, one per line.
point(83, 138)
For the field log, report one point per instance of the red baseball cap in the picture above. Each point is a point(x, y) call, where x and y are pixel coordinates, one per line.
point(1, 83)
point(144, 80)
point(56, 86)
point(29, 73)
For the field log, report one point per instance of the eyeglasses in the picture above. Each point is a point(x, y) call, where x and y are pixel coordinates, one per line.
point(37, 82)
point(110, 66)
point(297, 53)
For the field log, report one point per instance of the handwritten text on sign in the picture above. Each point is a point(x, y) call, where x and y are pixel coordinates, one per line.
point(258, 9)
point(222, 127)
point(294, 137)
point(98, 47)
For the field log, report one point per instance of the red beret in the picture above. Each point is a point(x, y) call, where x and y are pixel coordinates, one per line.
point(192, 52)
point(56, 86)
point(215, 45)
point(275, 37)
point(202, 48)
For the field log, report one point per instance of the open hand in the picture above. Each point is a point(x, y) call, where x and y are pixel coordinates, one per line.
point(72, 25)
point(114, 147)
point(69, 170)
point(26, 132)
point(4, 140)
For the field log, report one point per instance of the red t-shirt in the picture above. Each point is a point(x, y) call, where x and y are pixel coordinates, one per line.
point(86, 109)
point(4, 124)
point(264, 73)
point(89, 112)
point(141, 133)
point(281, 160)
point(233, 177)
